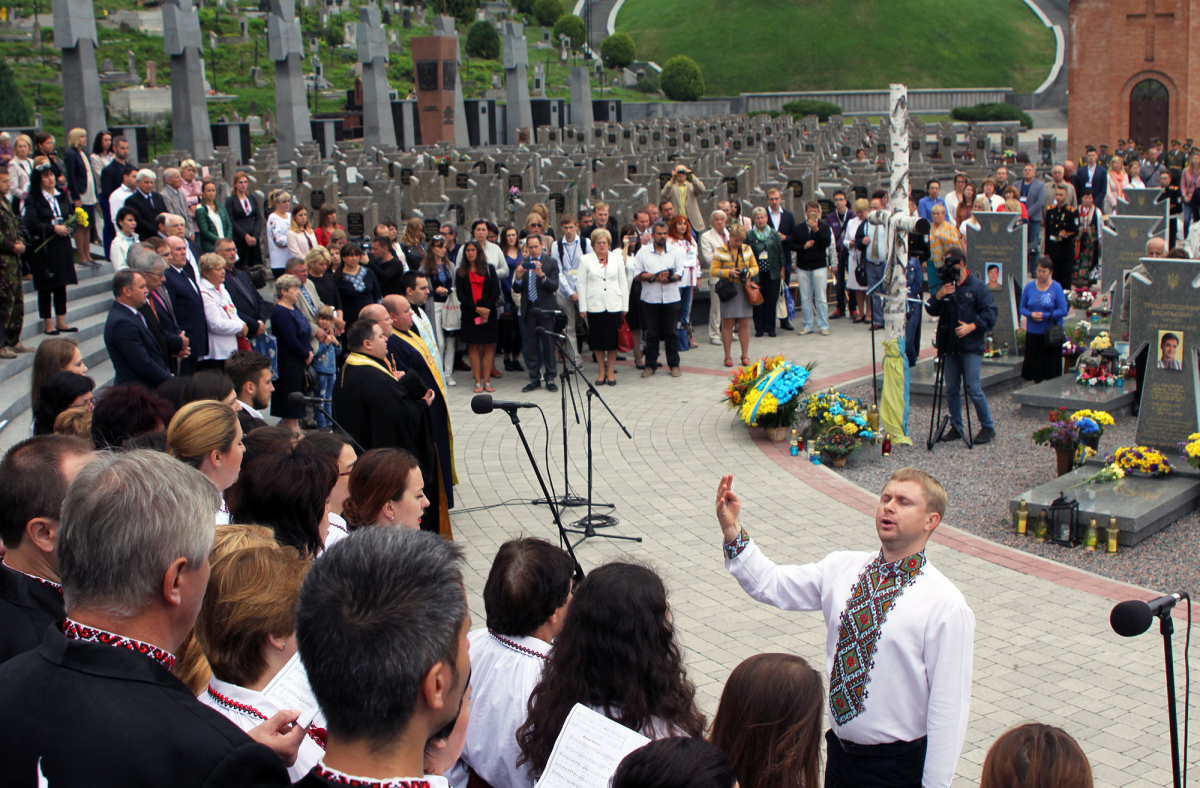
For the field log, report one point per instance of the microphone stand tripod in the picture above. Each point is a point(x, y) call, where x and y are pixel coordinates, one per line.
point(567, 498)
point(1166, 626)
point(322, 403)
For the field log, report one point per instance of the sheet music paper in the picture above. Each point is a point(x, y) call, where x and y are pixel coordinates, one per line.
point(588, 751)
point(290, 690)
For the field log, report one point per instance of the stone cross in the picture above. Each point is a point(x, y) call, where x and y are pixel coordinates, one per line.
point(379, 128)
point(1165, 311)
point(1124, 245)
point(1000, 243)
point(75, 35)
point(581, 97)
point(285, 42)
point(516, 74)
point(190, 127)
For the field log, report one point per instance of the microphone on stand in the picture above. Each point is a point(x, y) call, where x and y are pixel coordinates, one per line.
point(483, 403)
point(297, 400)
point(537, 312)
point(541, 331)
point(1133, 617)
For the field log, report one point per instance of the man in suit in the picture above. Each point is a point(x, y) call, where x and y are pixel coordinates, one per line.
point(251, 375)
point(111, 179)
point(160, 318)
point(36, 473)
point(246, 299)
point(186, 304)
point(134, 567)
point(136, 354)
point(1033, 194)
point(148, 204)
point(536, 278)
point(711, 240)
point(784, 223)
point(1151, 168)
point(176, 203)
point(1092, 178)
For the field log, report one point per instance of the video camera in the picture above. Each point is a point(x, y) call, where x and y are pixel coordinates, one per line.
point(947, 272)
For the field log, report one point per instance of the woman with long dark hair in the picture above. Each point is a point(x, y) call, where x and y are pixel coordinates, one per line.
point(440, 272)
point(386, 487)
point(356, 284)
point(478, 290)
point(288, 491)
point(61, 391)
point(627, 245)
point(616, 654)
point(46, 213)
point(511, 331)
point(336, 446)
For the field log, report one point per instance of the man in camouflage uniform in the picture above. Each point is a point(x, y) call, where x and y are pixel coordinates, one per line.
point(12, 297)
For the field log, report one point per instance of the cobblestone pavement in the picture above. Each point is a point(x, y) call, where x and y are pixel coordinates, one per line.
point(1043, 649)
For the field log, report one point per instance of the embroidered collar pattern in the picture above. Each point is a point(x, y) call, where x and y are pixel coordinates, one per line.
point(41, 580)
point(315, 733)
point(871, 598)
point(76, 631)
point(341, 778)
point(517, 647)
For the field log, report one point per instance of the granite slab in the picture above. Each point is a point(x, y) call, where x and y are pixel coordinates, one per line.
point(1063, 391)
point(995, 378)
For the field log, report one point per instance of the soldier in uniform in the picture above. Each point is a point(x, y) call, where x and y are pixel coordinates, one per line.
point(12, 297)
point(1062, 227)
point(1176, 160)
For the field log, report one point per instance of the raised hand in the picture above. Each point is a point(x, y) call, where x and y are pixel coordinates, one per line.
point(729, 508)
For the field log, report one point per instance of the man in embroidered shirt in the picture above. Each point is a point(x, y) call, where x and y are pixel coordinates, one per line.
point(36, 474)
point(382, 631)
point(899, 644)
point(97, 702)
point(526, 598)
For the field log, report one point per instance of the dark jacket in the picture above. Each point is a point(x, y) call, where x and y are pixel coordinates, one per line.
point(547, 287)
point(769, 267)
point(189, 309)
point(787, 223)
point(838, 228)
point(135, 352)
point(974, 304)
point(27, 609)
point(388, 273)
point(54, 265)
point(208, 231)
point(1099, 188)
point(160, 316)
point(250, 305)
point(111, 178)
point(815, 257)
point(77, 166)
point(243, 224)
point(97, 715)
point(148, 208)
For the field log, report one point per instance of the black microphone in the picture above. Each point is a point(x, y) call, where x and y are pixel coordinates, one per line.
point(1133, 617)
point(483, 403)
point(541, 331)
point(537, 312)
point(297, 399)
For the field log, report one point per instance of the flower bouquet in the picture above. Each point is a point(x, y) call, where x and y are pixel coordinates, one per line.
point(1070, 349)
point(744, 377)
point(1142, 460)
point(1191, 449)
point(1079, 334)
point(772, 401)
point(1081, 298)
point(1063, 435)
point(1097, 376)
point(837, 443)
point(77, 219)
point(1109, 473)
point(1101, 419)
point(1100, 342)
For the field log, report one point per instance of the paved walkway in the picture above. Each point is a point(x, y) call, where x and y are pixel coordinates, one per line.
point(1043, 651)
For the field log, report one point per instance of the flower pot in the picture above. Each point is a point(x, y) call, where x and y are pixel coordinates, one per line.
point(1093, 441)
point(836, 462)
point(1066, 459)
point(777, 434)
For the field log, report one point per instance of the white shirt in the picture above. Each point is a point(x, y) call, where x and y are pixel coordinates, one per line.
point(277, 239)
point(650, 261)
point(502, 679)
point(116, 201)
point(920, 684)
point(119, 251)
point(689, 249)
point(337, 529)
point(255, 414)
point(568, 263)
point(310, 751)
point(215, 217)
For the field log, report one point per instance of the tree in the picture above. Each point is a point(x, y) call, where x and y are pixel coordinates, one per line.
point(483, 41)
point(13, 109)
point(547, 12)
point(462, 10)
point(573, 28)
point(681, 79)
point(822, 109)
point(618, 50)
point(523, 6)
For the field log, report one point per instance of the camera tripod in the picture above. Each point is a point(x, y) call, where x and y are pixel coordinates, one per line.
point(938, 424)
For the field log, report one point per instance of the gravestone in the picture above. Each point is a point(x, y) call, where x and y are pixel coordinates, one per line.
point(519, 112)
point(286, 46)
point(436, 67)
point(1124, 245)
point(444, 26)
point(999, 243)
point(190, 127)
point(75, 35)
point(1165, 305)
point(379, 129)
point(1142, 202)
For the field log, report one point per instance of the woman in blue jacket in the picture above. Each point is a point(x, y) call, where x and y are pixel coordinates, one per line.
point(1043, 304)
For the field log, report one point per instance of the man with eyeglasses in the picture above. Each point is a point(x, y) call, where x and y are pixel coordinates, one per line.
point(449, 232)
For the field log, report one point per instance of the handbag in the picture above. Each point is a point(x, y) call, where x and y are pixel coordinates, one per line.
point(1055, 335)
point(452, 313)
point(753, 293)
point(860, 272)
point(310, 379)
point(624, 337)
point(725, 290)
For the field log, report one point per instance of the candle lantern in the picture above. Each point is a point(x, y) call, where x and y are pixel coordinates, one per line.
point(1063, 514)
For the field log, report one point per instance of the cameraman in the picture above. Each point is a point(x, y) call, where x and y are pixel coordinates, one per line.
point(967, 312)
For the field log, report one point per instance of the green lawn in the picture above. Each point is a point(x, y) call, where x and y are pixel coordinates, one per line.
point(774, 45)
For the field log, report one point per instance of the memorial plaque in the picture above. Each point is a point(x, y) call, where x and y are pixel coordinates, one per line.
point(449, 74)
point(770, 146)
point(1165, 319)
point(559, 201)
point(482, 167)
point(996, 256)
point(515, 182)
point(612, 139)
point(1142, 202)
point(846, 152)
point(687, 137)
point(980, 144)
point(316, 199)
point(826, 207)
point(663, 179)
point(427, 74)
point(460, 215)
point(462, 180)
point(432, 228)
point(657, 136)
point(810, 148)
point(731, 184)
point(631, 169)
point(671, 143)
point(737, 144)
point(704, 142)
point(1122, 246)
point(355, 225)
point(797, 188)
point(406, 174)
point(881, 148)
point(641, 139)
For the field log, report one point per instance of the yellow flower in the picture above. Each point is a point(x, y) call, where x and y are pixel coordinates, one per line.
point(839, 420)
point(850, 429)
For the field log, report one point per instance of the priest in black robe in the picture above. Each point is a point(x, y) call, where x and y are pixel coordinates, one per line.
point(380, 406)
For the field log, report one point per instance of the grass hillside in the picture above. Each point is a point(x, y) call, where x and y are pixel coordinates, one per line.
point(773, 45)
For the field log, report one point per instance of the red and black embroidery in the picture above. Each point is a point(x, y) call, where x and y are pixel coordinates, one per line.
point(317, 734)
point(338, 778)
point(76, 631)
point(41, 580)
point(516, 647)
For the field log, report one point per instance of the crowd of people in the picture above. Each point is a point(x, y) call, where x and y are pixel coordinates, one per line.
point(124, 583)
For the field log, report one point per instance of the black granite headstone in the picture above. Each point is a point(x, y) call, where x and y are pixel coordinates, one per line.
point(1123, 246)
point(1141, 202)
point(355, 225)
point(406, 174)
point(730, 184)
point(432, 228)
point(316, 199)
point(1165, 315)
point(996, 256)
point(462, 180)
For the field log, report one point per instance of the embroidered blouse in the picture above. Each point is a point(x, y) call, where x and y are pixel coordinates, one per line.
point(76, 631)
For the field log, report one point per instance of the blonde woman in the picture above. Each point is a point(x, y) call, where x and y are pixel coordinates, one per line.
point(1118, 181)
point(735, 262)
point(192, 187)
point(412, 243)
point(224, 325)
point(81, 185)
point(206, 435)
point(278, 225)
point(300, 238)
point(1189, 180)
point(20, 170)
point(855, 259)
point(603, 291)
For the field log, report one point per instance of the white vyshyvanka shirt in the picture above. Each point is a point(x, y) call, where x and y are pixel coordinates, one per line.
point(337, 530)
point(310, 751)
point(502, 679)
point(920, 684)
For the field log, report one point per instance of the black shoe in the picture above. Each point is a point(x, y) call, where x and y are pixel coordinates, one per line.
point(985, 435)
point(622, 358)
point(772, 335)
point(508, 365)
point(786, 325)
point(532, 386)
point(517, 366)
point(758, 334)
point(552, 386)
point(952, 434)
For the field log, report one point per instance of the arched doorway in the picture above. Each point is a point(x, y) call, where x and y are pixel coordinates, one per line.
point(1149, 112)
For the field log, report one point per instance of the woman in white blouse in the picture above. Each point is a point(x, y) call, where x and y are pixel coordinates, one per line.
point(20, 169)
point(300, 238)
point(125, 239)
point(603, 291)
point(278, 224)
point(224, 326)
